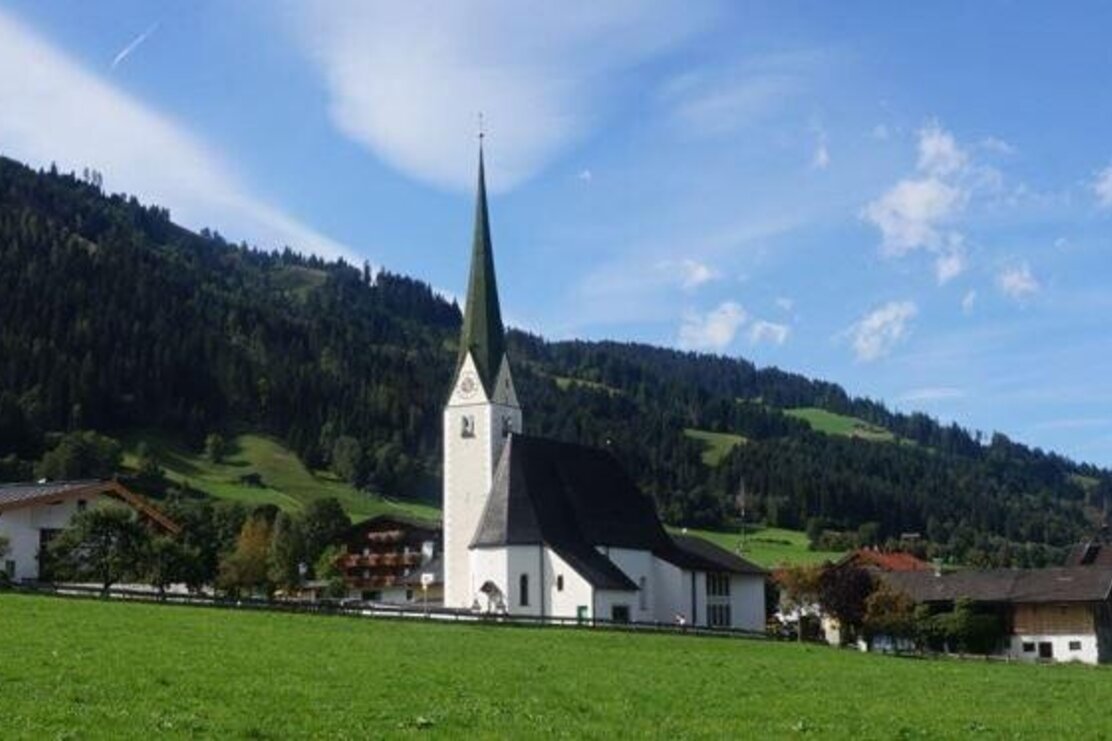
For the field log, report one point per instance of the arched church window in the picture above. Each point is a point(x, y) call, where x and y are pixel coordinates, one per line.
point(560, 583)
point(643, 594)
point(467, 426)
point(523, 586)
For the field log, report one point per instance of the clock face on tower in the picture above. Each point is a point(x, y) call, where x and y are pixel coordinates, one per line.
point(468, 385)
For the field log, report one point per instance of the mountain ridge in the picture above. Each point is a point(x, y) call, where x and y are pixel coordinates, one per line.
point(116, 318)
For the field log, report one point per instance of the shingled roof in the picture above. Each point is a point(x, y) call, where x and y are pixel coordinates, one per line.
point(16, 496)
point(482, 333)
point(574, 498)
point(1070, 584)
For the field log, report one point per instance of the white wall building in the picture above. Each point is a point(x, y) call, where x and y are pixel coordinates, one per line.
point(546, 528)
point(32, 514)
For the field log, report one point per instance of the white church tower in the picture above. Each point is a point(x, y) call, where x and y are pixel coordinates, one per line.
point(481, 412)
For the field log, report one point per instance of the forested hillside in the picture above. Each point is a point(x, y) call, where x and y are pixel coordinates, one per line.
point(114, 319)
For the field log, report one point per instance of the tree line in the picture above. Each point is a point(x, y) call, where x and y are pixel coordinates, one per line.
point(114, 318)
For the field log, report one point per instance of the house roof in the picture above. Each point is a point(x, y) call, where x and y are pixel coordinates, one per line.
point(1090, 553)
point(574, 499)
point(868, 558)
point(434, 567)
point(715, 555)
point(1069, 584)
point(482, 333)
point(410, 521)
point(17, 496)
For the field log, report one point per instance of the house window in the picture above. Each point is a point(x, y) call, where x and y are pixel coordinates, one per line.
point(81, 505)
point(409, 595)
point(643, 593)
point(1075, 645)
point(619, 613)
point(560, 583)
point(718, 616)
point(467, 426)
point(523, 586)
point(718, 585)
point(9, 568)
point(1028, 647)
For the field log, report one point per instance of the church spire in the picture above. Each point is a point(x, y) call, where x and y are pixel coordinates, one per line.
point(482, 334)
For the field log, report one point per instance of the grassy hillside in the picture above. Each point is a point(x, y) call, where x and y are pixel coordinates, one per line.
point(85, 669)
point(286, 481)
point(717, 445)
point(839, 424)
point(768, 547)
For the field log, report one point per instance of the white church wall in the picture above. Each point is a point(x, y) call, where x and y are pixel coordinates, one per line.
point(747, 602)
point(525, 561)
point(576, 592)
point(487, 564)
point(673, 591)
point(607, 599)
point(469, 462)
point(638, 566)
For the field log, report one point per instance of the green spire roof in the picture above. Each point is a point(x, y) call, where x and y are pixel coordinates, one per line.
point(482, 335)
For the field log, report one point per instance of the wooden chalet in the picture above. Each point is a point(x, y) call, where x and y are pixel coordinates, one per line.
point(394, 559)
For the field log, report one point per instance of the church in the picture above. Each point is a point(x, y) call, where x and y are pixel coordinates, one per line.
point(547, 528)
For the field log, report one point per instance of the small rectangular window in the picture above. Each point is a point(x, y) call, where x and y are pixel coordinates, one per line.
point(619, 613)
point(467, 426)
point(81, 505)
point(9, 569)
point(560, 583)
point(1075, 645)
point(1028, 647)
point(523, 585)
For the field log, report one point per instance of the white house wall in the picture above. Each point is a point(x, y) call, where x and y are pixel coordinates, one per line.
point(605, 599)
point(22, 529)
point(747, 602)
point(1088, 653)
point(639, 567)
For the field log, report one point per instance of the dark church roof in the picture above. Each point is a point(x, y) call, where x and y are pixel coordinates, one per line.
point(482, 334)
point(574, 498)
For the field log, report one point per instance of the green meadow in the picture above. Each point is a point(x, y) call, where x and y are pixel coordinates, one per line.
point(840, 424)
point(716, 445)
point(768, 546)
point(85, 669)
point(286, 481)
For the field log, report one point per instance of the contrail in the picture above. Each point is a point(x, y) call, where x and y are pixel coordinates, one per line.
point(126, 51)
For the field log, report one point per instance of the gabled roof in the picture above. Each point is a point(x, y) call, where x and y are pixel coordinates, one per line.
point(409, 521)
point(575, 499)
point(1091, 553)
point(716, 556)
point(482, 333)
point(1070, 584)
point(17, 496)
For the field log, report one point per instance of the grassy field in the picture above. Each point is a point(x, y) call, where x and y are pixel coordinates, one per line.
point(87, 669)
point(768, 546)
point(839, 424)
point(286, 481)
point(717, 445)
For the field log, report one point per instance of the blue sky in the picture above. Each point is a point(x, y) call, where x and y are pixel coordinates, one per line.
point(914, 202)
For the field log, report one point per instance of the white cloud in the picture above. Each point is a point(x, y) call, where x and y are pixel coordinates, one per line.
point(55, 111)
point(695, 274)
point(1018, 282)
point(949, 265)
point(939, 154)
point(932, 393)
point(968, 301)
point(133, 45)
point(922, 211)
point(820, 160)
point(997, 146)
point(408, 79)
point(875, 334)
point(714, 330)
point(784, 303)
point(765, 331)
point(1102, 186)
